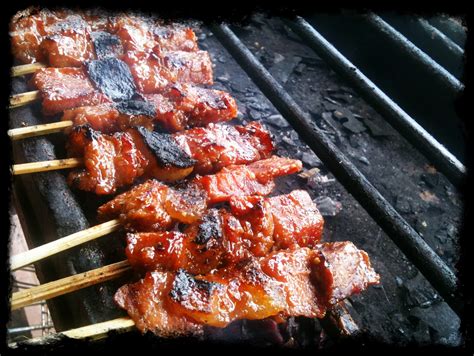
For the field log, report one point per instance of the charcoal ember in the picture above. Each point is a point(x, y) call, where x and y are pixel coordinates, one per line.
point(328, 206)
point(254, 114)
point(282, 69)
point(221, 59)
point(106, 45)
point(375, 129)
point(354, 125)
point(404, 204)
point(431, 180)
point(442, 323)
point(310, 159)
point(300, 68)
point(290, 138)
point(339, 97)
point(239, 86)
point(413, 294)
point(262, 332)
point(277, 121)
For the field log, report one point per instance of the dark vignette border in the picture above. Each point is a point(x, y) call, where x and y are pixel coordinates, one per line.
point(237, 12)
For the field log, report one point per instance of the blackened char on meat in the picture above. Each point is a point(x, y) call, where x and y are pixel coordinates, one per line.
point(135, 107)
point(210, 227)
point(106, 45)
point(166, 150)
point(112, 77)
point(191, 292)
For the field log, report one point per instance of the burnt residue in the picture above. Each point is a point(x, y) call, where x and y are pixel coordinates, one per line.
point(186, 288)
point(210, 227)
point(112, 77)
point(135, 107)
point(106, 44)
point(166, 149)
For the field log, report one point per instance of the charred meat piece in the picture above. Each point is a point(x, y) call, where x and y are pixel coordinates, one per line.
point(106, 45)
point(180, 109)
point(112, 161)
point(217, 146)
point(154, 72)
point(283, 284)
point(112, 77)
point(188, 202)
point(66, 88)
point(222, 238)
point(182, 106)
point(68, 43)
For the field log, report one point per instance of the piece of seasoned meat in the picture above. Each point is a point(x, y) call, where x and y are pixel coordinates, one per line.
point(222, 238)
point(113, 161)
point(66, 88)
point(175, 37)
point(67, 43)
point(297, 282)
point(182, 106)
point(116, 160)
point(27, 30)
point(153, 72)
point(188, 202)
point(217, 146)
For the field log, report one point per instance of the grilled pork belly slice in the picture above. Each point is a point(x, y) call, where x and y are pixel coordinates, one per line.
point(297, 282)
point(116, 160)
point(152, 206)
point(153, 72)
point(180, 107)
point(66, 88)
point(222, 238)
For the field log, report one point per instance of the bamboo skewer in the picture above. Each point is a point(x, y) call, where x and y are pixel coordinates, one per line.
point(62, 244)
point(69, 284)
point(44, 166)
point(26, 69)
point(18, 100)
point(94, 332)
point(37, 130)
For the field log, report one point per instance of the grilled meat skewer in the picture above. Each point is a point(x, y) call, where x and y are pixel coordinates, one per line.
point(300, 282)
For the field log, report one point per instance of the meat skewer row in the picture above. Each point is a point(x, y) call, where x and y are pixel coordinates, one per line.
point(63, 39)
point(299, 282)
point(111, 79)
point(179, 107)
point(117, 160)
point(254, 227)
point(154, 206)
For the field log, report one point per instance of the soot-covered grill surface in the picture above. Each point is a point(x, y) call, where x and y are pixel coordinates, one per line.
point(404, 308)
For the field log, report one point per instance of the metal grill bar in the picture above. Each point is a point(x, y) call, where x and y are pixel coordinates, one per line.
point(406, 45)
point(450, 28)
point(404, 236)
point(436, 34)
point(444, 160)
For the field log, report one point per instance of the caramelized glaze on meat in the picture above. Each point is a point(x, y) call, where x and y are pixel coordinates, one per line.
point(188, 202)
point(222, 238)
point(68, 43)
point(66, 88)
point(154, 72)
point(217, 146)
point(283, 284)
point(112, 161)
point(182, 106)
